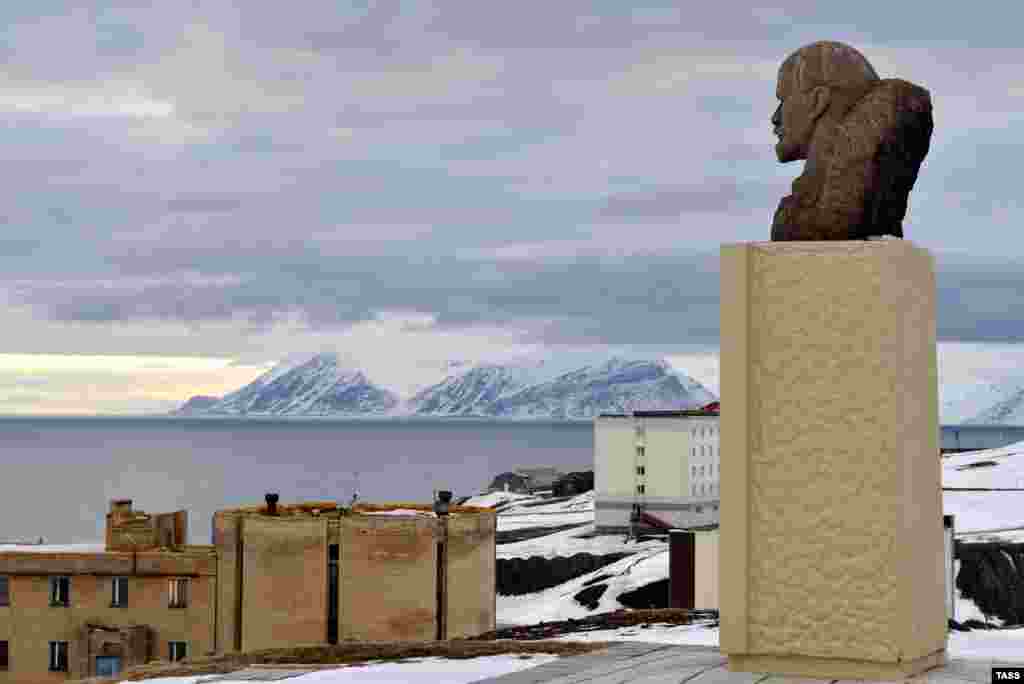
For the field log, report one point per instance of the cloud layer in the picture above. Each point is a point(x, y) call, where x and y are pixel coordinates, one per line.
point(247, 180)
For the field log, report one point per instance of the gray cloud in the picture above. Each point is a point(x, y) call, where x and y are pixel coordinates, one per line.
point(661, 300)
point(204, 205)
point(716, 195)
point(330, 161)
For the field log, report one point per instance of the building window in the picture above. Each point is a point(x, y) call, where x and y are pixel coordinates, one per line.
point(177, 650)
point(58, 656)
point(639, 470)
point(60, 592)
point(119, 592)
point(702, 489)
point(5, 591)
point(639, 489)
point(700, 509)
point(694, 470)
point(3, 655)
point(693, 490)
point(640, 451)
point(178, 593)
point(702, 471)
point(693, 451)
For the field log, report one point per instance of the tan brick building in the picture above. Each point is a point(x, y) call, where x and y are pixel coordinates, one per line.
point(275, 575)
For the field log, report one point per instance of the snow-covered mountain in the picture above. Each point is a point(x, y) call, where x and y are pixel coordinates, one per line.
point(541, 389)
point(321, 386)
point(616, 385)
point(984, 402)
point(1008, 410)
point(196, 405)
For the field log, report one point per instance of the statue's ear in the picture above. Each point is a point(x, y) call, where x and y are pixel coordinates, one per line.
point(820, 99)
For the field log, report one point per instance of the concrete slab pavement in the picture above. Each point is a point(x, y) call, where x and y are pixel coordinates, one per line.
point(640, 663)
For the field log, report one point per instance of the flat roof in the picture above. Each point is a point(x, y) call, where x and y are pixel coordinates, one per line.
point(692, 413)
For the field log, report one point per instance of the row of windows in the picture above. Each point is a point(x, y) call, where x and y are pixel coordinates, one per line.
point(712, 469)
point(705, 450)
point(710, 489)
point(60, 592)
point(705, 431)
point(176, 650)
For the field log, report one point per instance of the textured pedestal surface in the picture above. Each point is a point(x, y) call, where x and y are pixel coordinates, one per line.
point(831, 514)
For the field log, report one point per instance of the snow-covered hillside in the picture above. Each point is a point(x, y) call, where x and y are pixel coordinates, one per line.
point(980, 510)
point(320, 386)
point(545, 389)
point(994, 469)
point(615, 385)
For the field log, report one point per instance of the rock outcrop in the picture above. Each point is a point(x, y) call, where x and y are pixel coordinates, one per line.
point(517, 576)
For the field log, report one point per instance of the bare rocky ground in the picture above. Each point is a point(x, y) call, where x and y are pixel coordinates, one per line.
point(347, 653)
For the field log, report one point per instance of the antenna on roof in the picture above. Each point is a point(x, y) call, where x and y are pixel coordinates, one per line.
point(355, 491)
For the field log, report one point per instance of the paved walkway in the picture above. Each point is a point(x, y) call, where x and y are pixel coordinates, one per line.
point(639, 663)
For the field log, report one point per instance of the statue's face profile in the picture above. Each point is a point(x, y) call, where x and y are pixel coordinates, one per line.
point(796, 116)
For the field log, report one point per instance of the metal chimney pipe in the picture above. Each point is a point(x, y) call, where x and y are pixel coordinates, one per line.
point(444, 500)
point(271, 499)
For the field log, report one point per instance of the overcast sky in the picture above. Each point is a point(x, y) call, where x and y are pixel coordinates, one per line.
point(196, 191)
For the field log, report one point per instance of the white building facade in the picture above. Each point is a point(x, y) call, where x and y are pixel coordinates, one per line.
point(667, 462)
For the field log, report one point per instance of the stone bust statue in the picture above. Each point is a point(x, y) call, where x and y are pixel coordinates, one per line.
point(863, 137)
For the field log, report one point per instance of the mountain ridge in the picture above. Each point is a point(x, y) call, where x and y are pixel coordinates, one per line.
point(323, 386)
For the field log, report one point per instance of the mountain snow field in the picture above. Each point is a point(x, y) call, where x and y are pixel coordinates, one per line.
point(323, 386)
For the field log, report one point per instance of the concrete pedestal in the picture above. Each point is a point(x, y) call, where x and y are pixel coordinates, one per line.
point(831, 544)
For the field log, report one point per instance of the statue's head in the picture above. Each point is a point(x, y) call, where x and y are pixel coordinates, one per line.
point(823, 79)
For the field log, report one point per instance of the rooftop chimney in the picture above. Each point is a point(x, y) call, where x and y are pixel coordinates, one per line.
point(444, 500)
point(271, 498)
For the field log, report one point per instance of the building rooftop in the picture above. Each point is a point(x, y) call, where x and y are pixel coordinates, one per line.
point(693, 413)
point(331, 509)
point(97, 547)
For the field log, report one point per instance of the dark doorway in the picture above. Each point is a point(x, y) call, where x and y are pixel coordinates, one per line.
point(332, 594)
point(442, 612)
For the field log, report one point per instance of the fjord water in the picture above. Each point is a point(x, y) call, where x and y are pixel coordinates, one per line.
point(58, 474)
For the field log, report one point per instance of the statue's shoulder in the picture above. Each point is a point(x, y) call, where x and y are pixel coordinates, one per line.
point(894, 110)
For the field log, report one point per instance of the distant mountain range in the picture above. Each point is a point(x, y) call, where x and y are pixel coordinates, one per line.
point(322, 386)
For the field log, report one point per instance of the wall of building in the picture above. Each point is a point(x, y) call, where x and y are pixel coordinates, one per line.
point(674, 486)
point(227, 540)
point(387, 578)
point(262, 584)
point(30, 623)
point(471, 574)
point(705, 595)
point(284, 598)
point(614, 448)
point(666, 449)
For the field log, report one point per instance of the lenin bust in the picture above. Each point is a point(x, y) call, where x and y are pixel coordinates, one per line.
point(863, 137)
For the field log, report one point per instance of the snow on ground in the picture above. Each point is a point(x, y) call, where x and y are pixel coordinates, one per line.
point(1005, 645)
point(424, 670)
point(402, 512)
point(985, 510)
point(697, 634)
point(53, 548)
point(532, 504)
point(496, 499)
point(557, 603)
point(519, 522)
point(569, 542)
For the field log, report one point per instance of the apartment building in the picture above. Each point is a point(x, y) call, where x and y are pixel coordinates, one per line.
point(666, 462)
point(275, 575)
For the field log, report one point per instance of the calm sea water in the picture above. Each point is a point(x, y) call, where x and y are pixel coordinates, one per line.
point(58, 474)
